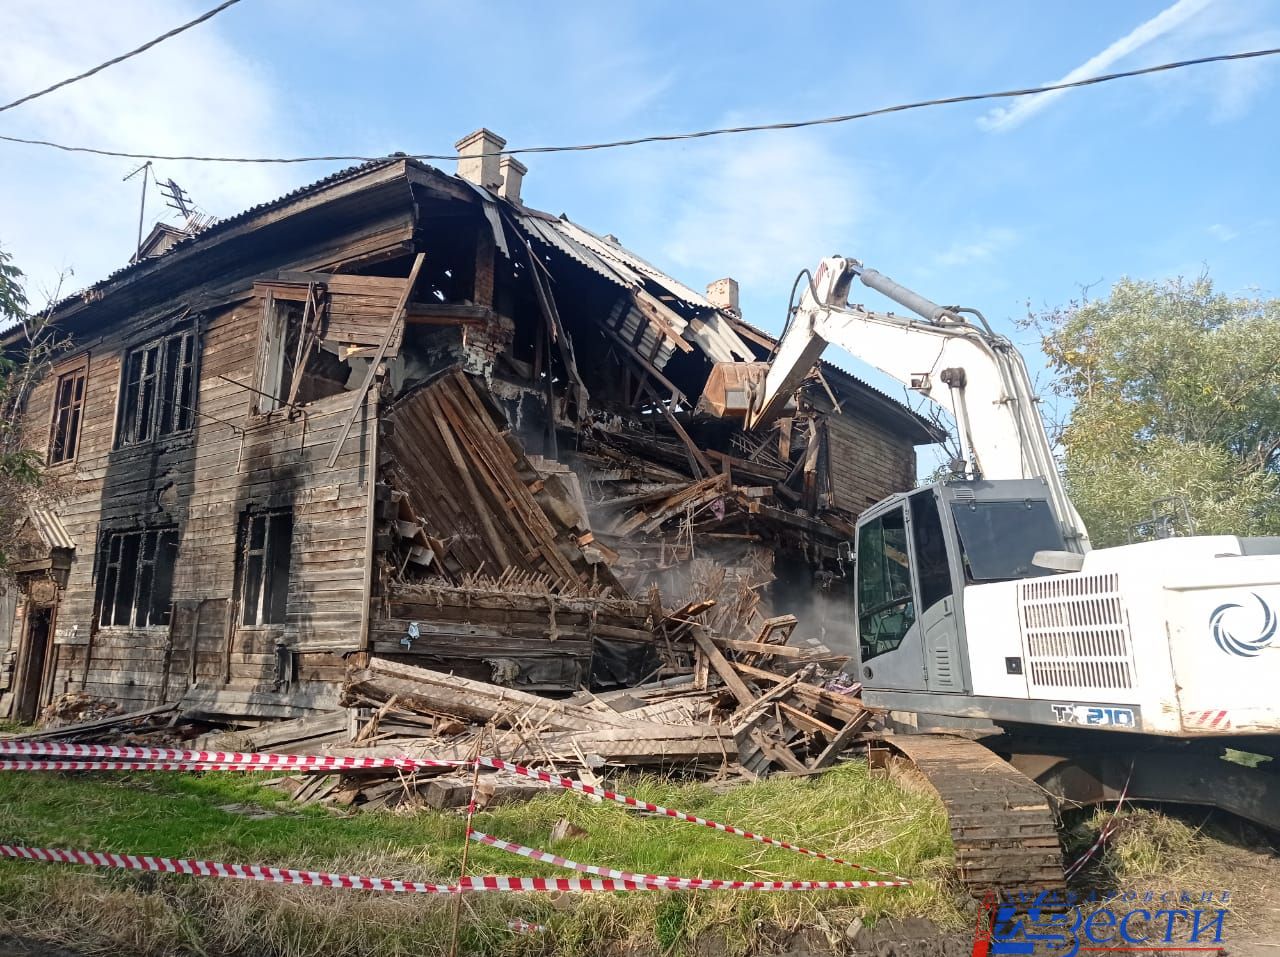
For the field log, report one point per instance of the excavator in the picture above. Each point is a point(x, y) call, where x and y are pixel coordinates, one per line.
point(1030, 671)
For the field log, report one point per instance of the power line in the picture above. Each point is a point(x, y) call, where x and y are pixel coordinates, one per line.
point(124, 56)
point(670, 137)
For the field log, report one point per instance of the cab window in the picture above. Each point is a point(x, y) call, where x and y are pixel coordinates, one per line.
point(932, 567)
point(885, 608)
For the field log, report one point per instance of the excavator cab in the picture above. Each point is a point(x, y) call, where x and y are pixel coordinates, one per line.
point(916, 553)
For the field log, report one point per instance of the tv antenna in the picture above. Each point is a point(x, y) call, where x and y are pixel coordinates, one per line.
point(146, 171)
point(178, 198)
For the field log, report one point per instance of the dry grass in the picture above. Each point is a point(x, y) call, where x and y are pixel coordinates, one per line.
point(848, 811)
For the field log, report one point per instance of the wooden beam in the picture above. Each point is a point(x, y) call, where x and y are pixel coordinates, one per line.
point(699, 459)
point(840, 741)
point(377, 360)
point(779, 651)
point(644, 363)
point(733, 681)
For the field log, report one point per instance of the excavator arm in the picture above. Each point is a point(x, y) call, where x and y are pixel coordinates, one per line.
point(947, 354)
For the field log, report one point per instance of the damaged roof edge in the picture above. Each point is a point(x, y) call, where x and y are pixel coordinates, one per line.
point(600, 254)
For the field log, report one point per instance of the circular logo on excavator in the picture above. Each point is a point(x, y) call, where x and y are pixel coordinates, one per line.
point(1243, 647)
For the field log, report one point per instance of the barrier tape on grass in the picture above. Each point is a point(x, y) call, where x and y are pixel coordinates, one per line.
point(282, 875)
point(487, 883)
point(114, 758)
point(661, 882)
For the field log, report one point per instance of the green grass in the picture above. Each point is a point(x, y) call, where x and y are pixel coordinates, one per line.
point(848, 811)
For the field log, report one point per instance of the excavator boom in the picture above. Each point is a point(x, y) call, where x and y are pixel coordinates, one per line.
point(941, 353)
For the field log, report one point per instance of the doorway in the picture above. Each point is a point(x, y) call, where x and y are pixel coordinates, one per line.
point(33, 663)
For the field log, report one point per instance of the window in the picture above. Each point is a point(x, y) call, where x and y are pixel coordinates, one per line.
point(157, 396)
point(296, 366)
point(1000, 538)
point(885, 607)
point(68, 410)
point(265, 540)
point(932, 567)
point(137, 577)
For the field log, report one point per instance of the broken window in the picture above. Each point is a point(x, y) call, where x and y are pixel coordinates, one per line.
point(158, 393)
point(137, 577)
point(266, 539)
point(68, 410)
point(295, 367)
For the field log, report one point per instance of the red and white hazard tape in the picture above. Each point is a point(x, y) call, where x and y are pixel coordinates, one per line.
point(99, 757)
point(660, 882)
point(486, 883)
point(139, 758)
point(518, 926)
point(281, 875)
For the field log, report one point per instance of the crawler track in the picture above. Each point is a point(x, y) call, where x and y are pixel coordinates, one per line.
point(1005, 832)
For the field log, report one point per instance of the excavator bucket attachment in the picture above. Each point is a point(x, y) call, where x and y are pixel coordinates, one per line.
point(733, 389)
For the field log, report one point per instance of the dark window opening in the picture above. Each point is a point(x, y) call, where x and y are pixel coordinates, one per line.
point(68, 410)
point(297, 367)
point(932, 567)
point(266, 542)
point(886, 610)
point(158, 394)
point(136, 585)
point(999, 539)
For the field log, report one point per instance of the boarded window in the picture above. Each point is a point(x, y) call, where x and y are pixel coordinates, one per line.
point(68, 410)
point(266, 539)
point(136, 584)
point(157, 394)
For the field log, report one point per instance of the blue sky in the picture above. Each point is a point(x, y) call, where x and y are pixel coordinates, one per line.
point(1151, 178)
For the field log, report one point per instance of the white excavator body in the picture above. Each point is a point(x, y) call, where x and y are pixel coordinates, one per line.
point(981, 598)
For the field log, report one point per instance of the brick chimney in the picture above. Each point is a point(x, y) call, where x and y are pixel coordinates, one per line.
point(475, 167)
point(512, 171)
point(723, 294)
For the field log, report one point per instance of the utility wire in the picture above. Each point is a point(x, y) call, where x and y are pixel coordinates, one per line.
point(670, 137)
point(124, 56)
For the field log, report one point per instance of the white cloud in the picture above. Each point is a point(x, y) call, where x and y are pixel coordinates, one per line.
point(1163, 23)
point(192, 94)
point(980, 247)
point(759, 209)
point(1222, 233)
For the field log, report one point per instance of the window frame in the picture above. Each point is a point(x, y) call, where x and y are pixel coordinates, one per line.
point(154, 551)
point(267, 587)
point(78, 367)
point(174, 375)
point(892, 598)
point(271, 393)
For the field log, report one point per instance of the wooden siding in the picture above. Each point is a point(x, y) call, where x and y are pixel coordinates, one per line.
point(867, 462)
point(202, 482)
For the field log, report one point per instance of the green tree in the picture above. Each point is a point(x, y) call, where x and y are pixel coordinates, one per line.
point(27, 348)
point(1174, 392)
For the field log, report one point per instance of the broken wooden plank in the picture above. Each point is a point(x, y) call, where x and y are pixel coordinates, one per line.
point(841, 741)
point(99, 724)
point(733, 681)
point(474, 700)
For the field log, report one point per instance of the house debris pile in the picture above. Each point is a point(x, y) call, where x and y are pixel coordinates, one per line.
point(715, 708)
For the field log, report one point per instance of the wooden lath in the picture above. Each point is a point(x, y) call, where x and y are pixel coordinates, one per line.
point(469, 482)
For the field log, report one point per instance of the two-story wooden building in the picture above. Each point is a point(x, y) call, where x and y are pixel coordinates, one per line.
point(394, 397)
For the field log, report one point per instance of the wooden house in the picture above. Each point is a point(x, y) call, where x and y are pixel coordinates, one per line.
point(399, 411)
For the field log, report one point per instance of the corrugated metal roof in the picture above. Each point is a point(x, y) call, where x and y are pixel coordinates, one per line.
point(342, 175)
point(50, 528)
point(609, 250)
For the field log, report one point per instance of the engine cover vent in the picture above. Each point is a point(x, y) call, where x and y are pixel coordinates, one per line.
point(1075, 633)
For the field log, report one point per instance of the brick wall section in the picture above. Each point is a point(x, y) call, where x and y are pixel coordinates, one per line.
point(867, 462)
